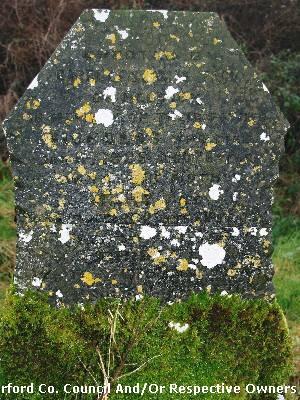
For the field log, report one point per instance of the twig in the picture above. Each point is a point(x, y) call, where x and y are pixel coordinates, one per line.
point(137, 369)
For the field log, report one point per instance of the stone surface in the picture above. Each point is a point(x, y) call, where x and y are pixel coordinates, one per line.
point(144, 155)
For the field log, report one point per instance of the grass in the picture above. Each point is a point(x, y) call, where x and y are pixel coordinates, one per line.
point(286, 258)
point(7, 227)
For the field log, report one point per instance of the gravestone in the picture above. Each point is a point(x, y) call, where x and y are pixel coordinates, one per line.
point(144, 155)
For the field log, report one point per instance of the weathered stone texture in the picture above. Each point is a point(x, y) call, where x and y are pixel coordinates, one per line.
point(144, 155)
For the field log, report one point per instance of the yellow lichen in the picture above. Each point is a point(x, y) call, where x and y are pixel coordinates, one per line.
point(125, 208)
point(139, 289)
point(182, 202)
point(61, 203)
point(48, 139)
point(69, 159)
point(209, 146)
point(92, 82)
point(60, 178)
point(152, 96)
point(84, 109)
point(156, 24)
point(185, 95)
point(199, 274)
point(117, 78)
point(89, 279)
point(157, 206)
point(156, 256)
point(81, 169)
point(138, 174)
point(216, 41)
point(90, 118)
point(26, 116)
point(231, 272)
point(253, 260)
point(159, 260)
point(34, 104)
point(169, 55)
point(251, 122)
point(106, 72)
point(97, 199)
point(138, 193)
point(149, 131)
point(118, 189)
point(114, 282)
point(256, 168)
point(112, 37)
point(113, 212)
point(266, 244)
point(118, 56)
point(92, 175)
point(197, 125)
point(174, 37)
point(153, 252)
point(183, 264)
point(135, 217)
point(134, 99)
point(76, 82)
point(149, 76)
point(93, 189)
point(172, 104)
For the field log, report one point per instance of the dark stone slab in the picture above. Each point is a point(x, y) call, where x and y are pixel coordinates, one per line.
point(144, 155)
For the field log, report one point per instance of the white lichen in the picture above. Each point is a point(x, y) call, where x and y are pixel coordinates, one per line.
point(147, 232)
point(25, 237)
point(180, 328)
point(264, 137)
point(235, 231)
point(215, 192)
point(37, 282)
point(236, 178)
point(104, 116)
point(170, 91)
point(65, 233)
point(212, 254)
point(175, 115)
point(101, 15)
point(34, 83)
point(179, 79)
point(110, 91)
point(263, 232)
point(163, 12)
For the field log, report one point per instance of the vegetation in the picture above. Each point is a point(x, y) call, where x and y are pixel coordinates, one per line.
point(200, 341)
point(7, 228)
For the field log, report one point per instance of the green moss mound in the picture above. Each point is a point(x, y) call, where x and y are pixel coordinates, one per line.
point(203, 340)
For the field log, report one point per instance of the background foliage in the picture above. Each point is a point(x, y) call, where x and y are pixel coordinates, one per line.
point(269, 33)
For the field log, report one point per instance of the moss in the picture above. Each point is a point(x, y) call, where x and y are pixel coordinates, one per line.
point(223, 339)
